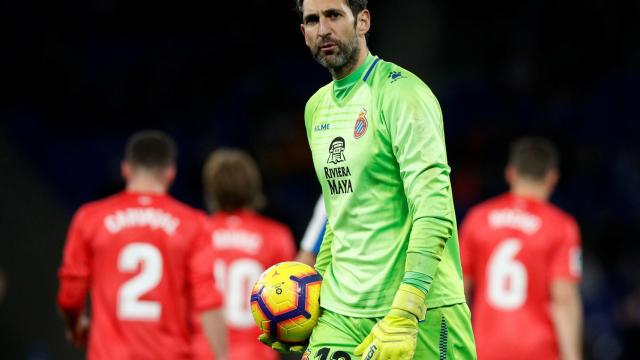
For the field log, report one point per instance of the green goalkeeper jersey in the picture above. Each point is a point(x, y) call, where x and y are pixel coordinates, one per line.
point(378, 148)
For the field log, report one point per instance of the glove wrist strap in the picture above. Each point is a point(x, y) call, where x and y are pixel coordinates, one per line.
point(411, 300)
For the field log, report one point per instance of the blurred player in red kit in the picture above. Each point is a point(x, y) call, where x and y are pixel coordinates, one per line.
point(144, 258)
point(521, 261)
point(245, 244)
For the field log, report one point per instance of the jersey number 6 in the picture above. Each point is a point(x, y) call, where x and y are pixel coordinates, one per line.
point(506, 276)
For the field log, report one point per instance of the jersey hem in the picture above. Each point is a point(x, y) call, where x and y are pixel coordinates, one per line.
point(376, 313)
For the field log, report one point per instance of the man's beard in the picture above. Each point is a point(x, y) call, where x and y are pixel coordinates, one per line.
point(345, 55)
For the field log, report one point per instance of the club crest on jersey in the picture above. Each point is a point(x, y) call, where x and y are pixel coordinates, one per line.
point(361, 124)
point(336, 151)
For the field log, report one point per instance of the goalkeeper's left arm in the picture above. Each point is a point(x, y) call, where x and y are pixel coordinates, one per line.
point(413, 119)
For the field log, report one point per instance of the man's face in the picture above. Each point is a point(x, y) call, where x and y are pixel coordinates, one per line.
point(329, 29)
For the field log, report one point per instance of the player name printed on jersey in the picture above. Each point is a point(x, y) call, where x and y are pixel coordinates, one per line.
point(515, 219)
point(336, 179)
point(141, 217)
point(250, 242)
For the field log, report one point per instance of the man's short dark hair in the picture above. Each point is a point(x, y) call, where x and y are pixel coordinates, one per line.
point(232, 181)
point(356, 6)
point(151, 149)
point(533, 157)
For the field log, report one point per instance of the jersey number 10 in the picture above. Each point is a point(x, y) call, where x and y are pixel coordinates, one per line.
point(235, 279)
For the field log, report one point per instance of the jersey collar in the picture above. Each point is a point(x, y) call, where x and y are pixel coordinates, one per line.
point(342, 87)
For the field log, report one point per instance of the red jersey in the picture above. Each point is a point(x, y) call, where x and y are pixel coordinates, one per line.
point(146, 263)
point(245, 244)
point(512, 248)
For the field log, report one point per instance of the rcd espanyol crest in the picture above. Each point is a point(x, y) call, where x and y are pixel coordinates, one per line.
point(361, 124)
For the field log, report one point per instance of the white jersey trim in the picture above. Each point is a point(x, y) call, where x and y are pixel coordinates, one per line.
point(315, 230)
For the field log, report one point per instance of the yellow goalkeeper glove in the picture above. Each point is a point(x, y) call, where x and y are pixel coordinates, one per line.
point(395, 336)
point(282, 347)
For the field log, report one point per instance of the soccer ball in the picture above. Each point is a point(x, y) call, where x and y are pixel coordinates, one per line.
point(285, 301)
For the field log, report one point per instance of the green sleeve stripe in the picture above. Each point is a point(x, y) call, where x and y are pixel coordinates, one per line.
point(418, 280)
point(420, 269)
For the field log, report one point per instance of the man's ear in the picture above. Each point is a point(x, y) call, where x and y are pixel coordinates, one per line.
point(510, 174)
point(363, 22)
point(304, 34)
point(125, 170)
point(551, 179)
point(170, 174)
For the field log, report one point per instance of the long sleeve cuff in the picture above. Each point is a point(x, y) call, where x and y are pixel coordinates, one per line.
point(420, 269)
point(72, 294)
point(418, 280)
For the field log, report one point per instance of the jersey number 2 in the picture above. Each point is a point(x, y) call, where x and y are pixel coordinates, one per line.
point(130, 307)
point(506, 276)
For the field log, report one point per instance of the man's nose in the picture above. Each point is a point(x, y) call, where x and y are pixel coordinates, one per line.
point(325, 26)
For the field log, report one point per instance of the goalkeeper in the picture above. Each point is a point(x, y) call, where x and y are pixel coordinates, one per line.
point(392, 284)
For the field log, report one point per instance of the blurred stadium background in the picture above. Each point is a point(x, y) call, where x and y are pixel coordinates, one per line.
point(78, 77)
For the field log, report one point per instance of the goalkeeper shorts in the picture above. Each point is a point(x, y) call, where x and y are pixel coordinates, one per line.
point(445, 334)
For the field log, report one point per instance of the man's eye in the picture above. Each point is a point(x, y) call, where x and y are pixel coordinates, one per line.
point(311, 20)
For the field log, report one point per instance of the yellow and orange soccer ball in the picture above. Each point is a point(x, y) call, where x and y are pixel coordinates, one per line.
point(285, 301)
